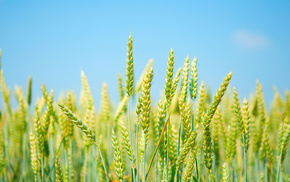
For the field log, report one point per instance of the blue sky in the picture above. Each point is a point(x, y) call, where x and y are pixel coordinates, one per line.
point(54, 40)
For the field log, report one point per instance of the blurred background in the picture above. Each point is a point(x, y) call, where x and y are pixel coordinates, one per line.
point(54, 40)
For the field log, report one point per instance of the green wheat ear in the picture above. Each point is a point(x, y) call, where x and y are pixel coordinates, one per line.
point(34, 160)
point(262, 118)
point(88, 132)
point(218, 97)
point(207, 148)
point(5, 94)
point(105, 103)
point(70, 106)
point(185, 114)
point(58, 170)
point(146, 103)
point(238, 113)
point(161, 116)
point(247, 122)
point(189, 165)
point(121, 108)
point(215, 136)
point(2, 149)
point(130, 68)
point(87, 91)
point(39, 132)
point(87, 141)
point(285, 142)
point(48, 113)
point(117, 157)
point(29, 90)
point(184, 81)
point(139, 83)
point(126, 139)
point(169, 76)
point(175, 82)
point(120, 87)
point(189, 144)
point(193, 79)
point(225, 173)
point(200, 104)
point(23, 107)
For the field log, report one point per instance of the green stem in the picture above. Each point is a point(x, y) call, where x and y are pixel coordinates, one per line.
point(257, 167)
point(245, 160)
point(108, 144)
point(144, 158)
point(104, 166)
point(178, 149)
point(167, 151)
point(156, 149)
point(94, 163)
point(199, 167)
point(89, 165)
point(85, 167)
point(42, 168)
point(129, 122)
point(52, 158)
point(156, 166)
point(24, 156)
point(233, 170)
point(266, 170)
point(279, 165)
point(6, 146)
point(70, 169)
point(137, 156)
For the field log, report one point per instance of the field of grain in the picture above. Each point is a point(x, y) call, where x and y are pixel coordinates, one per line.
point(188, 136)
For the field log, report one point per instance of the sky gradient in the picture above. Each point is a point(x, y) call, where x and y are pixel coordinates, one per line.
point(54, 40)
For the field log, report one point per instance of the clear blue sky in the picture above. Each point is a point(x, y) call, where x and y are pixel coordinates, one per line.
point(54, 40)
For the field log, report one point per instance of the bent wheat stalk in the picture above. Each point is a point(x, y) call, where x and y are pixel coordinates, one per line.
point(88, 132)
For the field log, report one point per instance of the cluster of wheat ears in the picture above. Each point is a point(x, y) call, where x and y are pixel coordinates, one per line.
point(187, 136)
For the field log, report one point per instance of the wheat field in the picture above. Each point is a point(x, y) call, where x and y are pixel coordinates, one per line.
point(190, 135)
